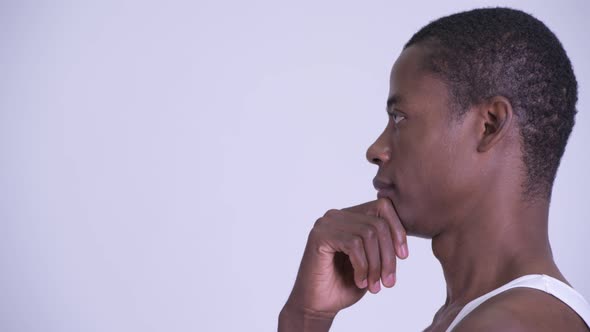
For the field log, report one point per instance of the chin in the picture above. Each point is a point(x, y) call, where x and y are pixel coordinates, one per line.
point(420, 232)
point(419, 217)
point(418, 226)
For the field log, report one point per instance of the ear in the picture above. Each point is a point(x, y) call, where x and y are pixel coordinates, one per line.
point(496, 119)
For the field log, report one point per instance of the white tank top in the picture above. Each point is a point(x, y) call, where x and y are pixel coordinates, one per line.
point(541, 282)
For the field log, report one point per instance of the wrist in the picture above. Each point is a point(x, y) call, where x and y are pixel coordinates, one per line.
point(298, 318)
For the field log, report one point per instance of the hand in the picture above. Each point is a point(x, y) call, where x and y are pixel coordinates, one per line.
point(348, 252)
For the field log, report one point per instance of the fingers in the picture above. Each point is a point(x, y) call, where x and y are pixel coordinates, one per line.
point(368, 208)
point(328, 229)
point(353, 246)
point(387, 211)
point(378, 244)
point(388, 260)
point(383, 207)
point(372, 237)
point(366, 240)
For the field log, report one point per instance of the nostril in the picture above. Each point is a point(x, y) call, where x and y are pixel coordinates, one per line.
point(375, 154)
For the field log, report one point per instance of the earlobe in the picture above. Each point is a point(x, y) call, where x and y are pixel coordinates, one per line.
point(496, 115)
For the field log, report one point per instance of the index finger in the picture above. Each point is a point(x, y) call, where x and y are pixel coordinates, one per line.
point(383, 207)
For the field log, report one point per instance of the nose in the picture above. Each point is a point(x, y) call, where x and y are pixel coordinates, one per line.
point(379, 152)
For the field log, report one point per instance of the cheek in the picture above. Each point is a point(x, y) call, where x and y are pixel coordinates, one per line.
point(427, 175)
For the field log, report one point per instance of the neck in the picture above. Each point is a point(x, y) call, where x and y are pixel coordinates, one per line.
point(494, 245)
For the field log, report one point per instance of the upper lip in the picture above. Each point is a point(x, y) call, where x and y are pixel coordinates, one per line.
point(380, 184)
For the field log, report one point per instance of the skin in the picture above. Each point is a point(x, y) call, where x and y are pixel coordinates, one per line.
point(457, 182)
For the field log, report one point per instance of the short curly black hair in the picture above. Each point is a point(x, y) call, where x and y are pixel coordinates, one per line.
point(494, 51)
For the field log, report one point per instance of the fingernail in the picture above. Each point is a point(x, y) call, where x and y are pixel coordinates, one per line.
point(404, 250)
point(376, 286)
point(364, 283)
point(390, 280)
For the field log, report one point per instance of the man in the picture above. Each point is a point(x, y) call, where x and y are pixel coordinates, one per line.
point(481, 105)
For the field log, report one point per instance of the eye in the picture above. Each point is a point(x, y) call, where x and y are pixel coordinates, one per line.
point(397, 118)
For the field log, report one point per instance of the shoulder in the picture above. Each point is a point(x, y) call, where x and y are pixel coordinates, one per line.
point(522, 310)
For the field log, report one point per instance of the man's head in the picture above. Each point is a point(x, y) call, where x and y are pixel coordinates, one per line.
point(488, 97)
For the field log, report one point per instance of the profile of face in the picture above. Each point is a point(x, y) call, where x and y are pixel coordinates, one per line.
point(429, 159)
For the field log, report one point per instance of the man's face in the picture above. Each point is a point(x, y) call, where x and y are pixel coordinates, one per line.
point(428, 157)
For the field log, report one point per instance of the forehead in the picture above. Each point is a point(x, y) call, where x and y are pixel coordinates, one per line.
point(416, 88)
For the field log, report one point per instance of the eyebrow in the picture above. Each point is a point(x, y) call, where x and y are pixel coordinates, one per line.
point(392, 100)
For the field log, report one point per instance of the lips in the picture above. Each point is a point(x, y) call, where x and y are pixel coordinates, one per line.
point(385, 193)
point(381, 184)
point(384, 188)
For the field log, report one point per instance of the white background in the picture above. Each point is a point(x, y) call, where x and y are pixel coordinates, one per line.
point(161, 164)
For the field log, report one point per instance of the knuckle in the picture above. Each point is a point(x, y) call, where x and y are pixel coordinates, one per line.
point(369, 232)
point(331, 213)
point(363, 266)
point(313, 230)
point(381, 225)
point(356, 243)
point(313, 234)
point(319, 222)
point(353, 245)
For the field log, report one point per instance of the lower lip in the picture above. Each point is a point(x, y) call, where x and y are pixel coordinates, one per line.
point(387, 193)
